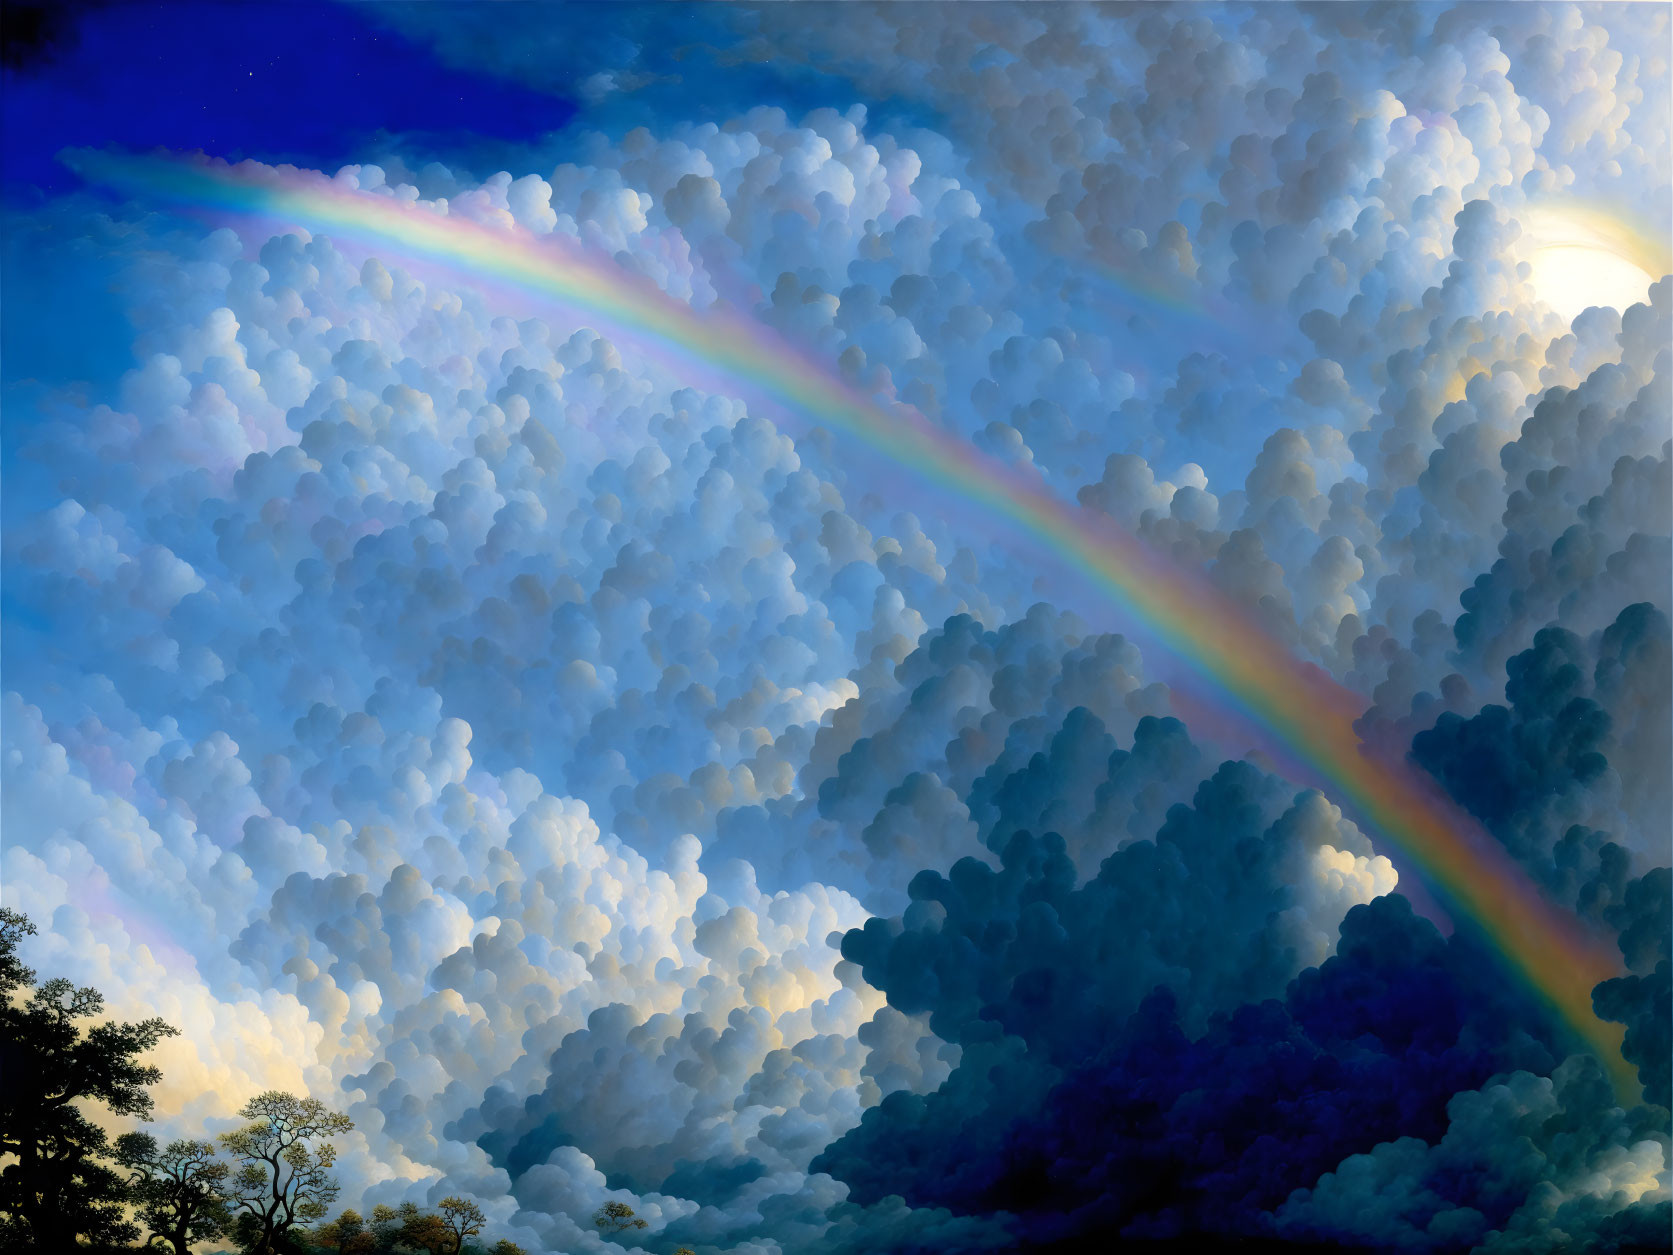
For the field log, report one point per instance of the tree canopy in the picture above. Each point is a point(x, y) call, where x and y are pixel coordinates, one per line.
point(59, 1186)
point(65, 1187)
point(284, 1176)
point(179, 1191)
point(616, 1217)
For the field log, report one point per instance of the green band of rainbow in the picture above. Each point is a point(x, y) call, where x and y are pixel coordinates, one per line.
point(1303, 707)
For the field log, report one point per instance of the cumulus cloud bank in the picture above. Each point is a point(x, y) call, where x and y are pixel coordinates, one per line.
point(604, 788)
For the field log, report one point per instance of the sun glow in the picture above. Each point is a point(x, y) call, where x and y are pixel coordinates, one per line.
point(1578, 258)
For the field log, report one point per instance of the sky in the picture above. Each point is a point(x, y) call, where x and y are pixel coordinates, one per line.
point(891, 627)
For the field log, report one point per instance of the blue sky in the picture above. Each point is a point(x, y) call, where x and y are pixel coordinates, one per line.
point(277, 81)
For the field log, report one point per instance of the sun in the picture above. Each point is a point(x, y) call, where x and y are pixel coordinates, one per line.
point(1578, 257)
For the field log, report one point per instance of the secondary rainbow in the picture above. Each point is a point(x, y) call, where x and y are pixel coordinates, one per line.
point(1309, 714)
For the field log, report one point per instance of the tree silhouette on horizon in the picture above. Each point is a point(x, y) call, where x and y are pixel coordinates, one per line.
point(179, 1190)
point(284, 1178)
point(59, 1189)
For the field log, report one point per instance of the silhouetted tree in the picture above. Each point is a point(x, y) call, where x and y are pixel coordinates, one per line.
point(424, 1230)
point(463, 1218)
point(411, 1227)
point(446, 1231)
point(56, 1189)
point(348, 1234)
point(387, 1223)
point(616, 1218)
point(179, 1191)
point(285, 1175)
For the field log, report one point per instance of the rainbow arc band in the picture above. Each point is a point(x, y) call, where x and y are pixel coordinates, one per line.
point(1254, 675)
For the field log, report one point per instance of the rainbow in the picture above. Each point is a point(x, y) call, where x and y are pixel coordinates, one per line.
point(1213, 322)
point(1147, 293)
point(1307, 712)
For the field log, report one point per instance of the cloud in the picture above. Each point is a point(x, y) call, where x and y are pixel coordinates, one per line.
point(604, 785)
point(1525, 1163)
point(1138, 1123)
